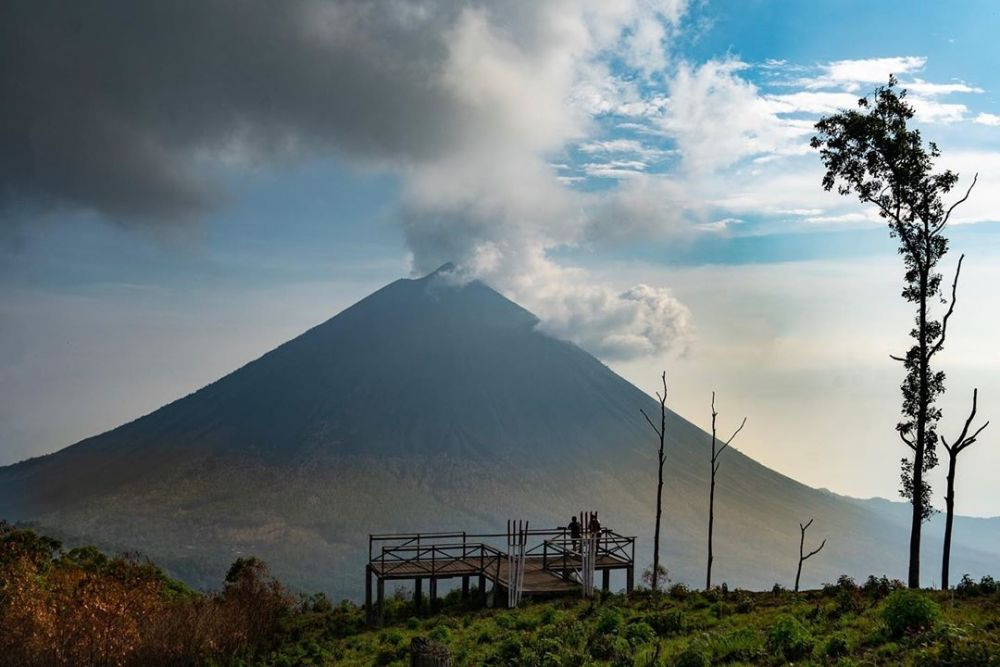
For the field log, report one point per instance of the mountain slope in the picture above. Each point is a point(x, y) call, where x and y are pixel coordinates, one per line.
point(427, 405)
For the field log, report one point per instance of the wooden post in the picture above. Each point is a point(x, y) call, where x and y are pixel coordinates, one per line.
point(606, 581)
point(369, 615)
point(465, 587)
point(381, 602)
point(629, 579)
point(432, 594)
point(418, 594)
point(482, 588)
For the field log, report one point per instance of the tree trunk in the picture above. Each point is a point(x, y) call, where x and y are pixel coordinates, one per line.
point(949, 500)
point(659, 512)
point(798, 572)
point(711, 525)
point(917, 522)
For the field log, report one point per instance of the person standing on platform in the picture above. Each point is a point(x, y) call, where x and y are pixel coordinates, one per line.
point(575, 530)
point(595, 527)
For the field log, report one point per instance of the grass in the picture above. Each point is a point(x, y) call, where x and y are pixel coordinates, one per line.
point(81, 607)
point(843, 624)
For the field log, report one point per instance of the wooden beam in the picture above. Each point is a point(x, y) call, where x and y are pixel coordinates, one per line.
point(465, 587)
point(418, 594)
point(369, 615)
point(606, 581)
point(381, 602)
point(432, 594)
point(629, 579)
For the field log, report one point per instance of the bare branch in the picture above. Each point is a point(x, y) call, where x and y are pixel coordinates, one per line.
point(814, 551)
point(909, 443)
point(951, 309)
point(974, 436)
point(733, 436)
point(947, 215)
point(650, 422)
point(895, 358)
point(964, 439)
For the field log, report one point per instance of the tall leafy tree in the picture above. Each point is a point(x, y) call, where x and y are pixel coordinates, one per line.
point(874, 154)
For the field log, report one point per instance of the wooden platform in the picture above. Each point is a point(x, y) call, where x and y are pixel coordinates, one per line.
point(539, 576)
point(552, 563)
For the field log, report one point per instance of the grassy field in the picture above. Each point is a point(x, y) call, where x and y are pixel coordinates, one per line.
point(844, 624)
point(81, 607)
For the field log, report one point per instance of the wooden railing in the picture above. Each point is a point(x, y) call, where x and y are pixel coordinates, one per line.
point(428, 554)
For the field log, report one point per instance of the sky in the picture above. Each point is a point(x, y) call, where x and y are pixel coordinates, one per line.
point(185, 186)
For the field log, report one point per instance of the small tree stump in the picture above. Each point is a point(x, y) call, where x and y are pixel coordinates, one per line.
point(425, 653)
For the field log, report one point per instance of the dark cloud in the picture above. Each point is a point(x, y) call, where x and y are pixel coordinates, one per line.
point(127, 108)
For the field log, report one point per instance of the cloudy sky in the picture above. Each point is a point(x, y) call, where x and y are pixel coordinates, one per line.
point(183, 186)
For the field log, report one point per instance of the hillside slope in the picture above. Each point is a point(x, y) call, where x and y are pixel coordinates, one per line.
point(427, 405)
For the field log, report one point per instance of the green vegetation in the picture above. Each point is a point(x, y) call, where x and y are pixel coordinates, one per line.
point(81, 607)
point(875, 623)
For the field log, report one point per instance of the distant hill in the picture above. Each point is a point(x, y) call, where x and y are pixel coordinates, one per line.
point(433, 405)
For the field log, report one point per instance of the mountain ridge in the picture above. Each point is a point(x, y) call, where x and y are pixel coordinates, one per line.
point(429, 404)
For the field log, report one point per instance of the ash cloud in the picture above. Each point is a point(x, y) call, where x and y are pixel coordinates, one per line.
point(136, 111)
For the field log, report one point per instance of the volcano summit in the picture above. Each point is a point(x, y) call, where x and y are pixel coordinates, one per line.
point(434, 404)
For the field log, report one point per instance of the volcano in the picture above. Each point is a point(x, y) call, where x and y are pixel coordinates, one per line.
point(436, 404)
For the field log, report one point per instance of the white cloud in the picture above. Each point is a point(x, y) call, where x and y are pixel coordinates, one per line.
point(849, 74)
point(813, 102)
point(990, 119)
point(924, 88)
point(718, 118)
point(624, 146)
point(931, 111)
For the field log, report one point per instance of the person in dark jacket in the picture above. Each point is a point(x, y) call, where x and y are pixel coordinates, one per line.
point(575, 530)
point(594, 528)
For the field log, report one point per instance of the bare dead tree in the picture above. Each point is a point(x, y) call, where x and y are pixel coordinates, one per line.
point(954, 449)
point(661, 433)
point(803, 556)
point(716, 453)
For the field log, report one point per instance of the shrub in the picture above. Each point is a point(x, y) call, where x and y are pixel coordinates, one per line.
point(789, 638)
point(695, 655)
point(668, 622)
point(880, 587)
point(836, 647)
point(679, 592)
point(662, 578)
point(988, 585)
point(745, 603)
point(778, 589)
point(909, 611)
point(742, 645)
point(639, 633)
point(440, 633)
point(968, 588)
point(721, 609)
point(698, 601)
point(610, 622)
point(392, 637)
point(511, 652)
point(844, 582)
point(609, 647)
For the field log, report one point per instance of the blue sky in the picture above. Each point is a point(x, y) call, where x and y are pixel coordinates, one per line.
point(637, 173)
